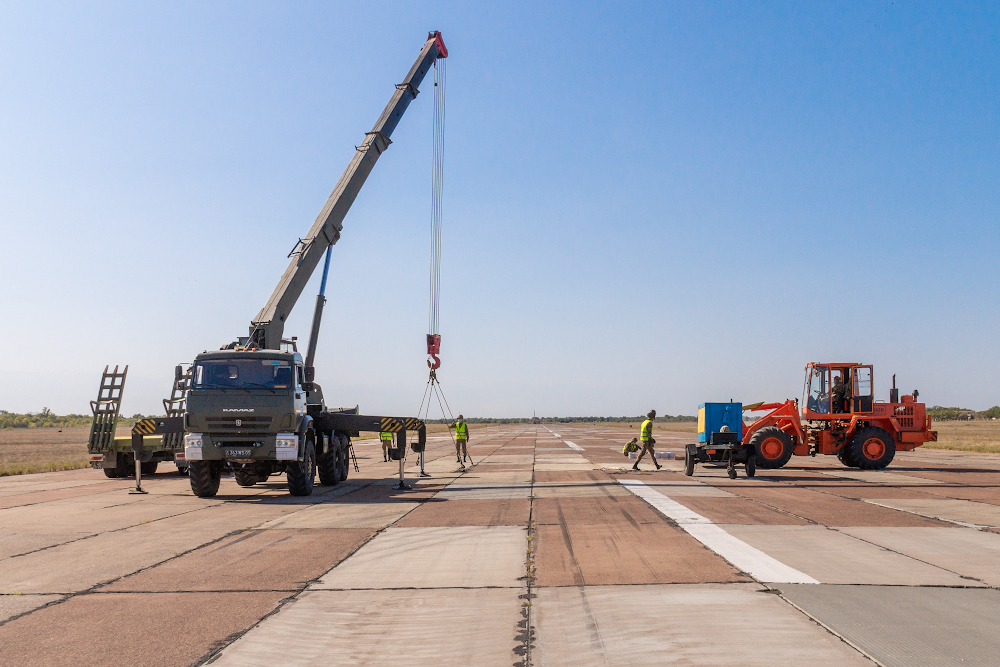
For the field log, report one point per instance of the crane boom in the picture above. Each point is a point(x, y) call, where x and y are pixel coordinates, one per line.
point(267, 328)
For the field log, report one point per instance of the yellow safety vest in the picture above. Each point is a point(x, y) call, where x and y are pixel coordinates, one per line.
point(386, 437)
point(647, 431)
point(461, 431)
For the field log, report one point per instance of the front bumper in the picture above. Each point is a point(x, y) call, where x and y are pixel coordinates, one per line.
point(262, 447)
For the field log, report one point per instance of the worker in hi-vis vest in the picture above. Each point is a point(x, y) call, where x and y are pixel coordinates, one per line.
point(386, 444)
point(461, 439)
point(646, 437)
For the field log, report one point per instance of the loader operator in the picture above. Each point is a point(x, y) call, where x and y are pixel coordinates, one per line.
point(461, 439)
point(841, 394)
point(386, 438)
point(646, 436)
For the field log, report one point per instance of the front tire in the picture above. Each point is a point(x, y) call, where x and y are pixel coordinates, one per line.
point(205, 477)
point(773, 447)
point(301, 474)
point(871, 448)
point(246, 478)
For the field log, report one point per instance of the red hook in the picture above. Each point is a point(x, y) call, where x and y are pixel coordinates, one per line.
point(436, 364)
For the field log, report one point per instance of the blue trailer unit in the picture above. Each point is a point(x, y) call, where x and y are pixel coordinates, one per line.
point(713, 416)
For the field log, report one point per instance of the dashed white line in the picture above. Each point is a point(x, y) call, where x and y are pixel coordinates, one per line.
point(573, 445)
point(749, 559)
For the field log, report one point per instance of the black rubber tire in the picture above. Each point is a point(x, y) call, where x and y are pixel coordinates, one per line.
point(246, 477)
point(860, 447)
point(182, 471)
point(302, 474)
point(111, 473)
point(328, 463)
point(762, 437)
point(845, 456)
point(751, 465)
point(125, 465)
point(731, 472)
point(688, 463)
point(205, 477)
point(345, 457)
point(148, 468)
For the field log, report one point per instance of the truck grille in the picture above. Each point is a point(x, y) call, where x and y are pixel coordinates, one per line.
point(238, 422)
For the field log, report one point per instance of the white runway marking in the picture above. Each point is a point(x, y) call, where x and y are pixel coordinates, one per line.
point(749, 559)
point(573, 445)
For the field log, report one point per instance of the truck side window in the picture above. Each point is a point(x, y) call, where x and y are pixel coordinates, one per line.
point(298, 376)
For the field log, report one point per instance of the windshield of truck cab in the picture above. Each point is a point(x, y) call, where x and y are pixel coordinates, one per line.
point(242, 374)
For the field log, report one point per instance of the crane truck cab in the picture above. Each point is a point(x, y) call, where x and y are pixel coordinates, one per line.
point(247, 412)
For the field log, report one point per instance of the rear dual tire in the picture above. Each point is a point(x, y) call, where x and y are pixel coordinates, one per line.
point(302, 474)
point(334, 464)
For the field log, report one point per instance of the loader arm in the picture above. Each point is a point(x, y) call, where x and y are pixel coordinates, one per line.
point(267, 327)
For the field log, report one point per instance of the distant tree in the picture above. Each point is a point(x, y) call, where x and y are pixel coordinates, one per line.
point(992, 413)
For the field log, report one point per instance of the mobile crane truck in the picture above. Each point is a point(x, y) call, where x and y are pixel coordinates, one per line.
point(254, 406)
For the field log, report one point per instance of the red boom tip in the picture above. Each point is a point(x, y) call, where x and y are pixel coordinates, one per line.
point(439, 41)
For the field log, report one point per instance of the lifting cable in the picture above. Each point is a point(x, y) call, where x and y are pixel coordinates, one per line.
point(433, 388)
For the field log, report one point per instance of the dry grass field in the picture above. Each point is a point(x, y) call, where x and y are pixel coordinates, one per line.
point(28, 450)
point(975, 436)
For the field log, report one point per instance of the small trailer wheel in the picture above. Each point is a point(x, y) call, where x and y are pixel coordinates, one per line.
point(688, 463)
point(732, 473)
point(751, 465)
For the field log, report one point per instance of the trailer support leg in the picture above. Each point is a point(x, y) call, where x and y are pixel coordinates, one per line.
point(401, 448)
point(137, 455)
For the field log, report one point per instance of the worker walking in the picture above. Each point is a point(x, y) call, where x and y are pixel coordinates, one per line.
point(461, 439)
point(646, 437)
point(386, 438)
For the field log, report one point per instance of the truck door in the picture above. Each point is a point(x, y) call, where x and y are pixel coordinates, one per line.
point(300, 394)
point(863, 396)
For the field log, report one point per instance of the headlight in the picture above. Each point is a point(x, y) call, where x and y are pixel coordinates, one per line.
point(286, 447)
point(192, 446)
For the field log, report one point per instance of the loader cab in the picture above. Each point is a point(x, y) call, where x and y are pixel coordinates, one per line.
point(832, 389)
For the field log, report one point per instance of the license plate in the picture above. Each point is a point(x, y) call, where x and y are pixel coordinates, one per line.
point(238, 453)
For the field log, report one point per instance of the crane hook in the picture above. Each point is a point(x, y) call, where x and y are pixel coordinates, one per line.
point(436, 364)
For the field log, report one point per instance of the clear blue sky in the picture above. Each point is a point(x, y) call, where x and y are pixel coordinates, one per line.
point(646, 204)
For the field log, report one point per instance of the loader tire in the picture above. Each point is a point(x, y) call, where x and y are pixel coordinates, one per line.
point(205, 477)
point(148, 468)
point(328, 463)
point(302, 474)
point(872, 448)
point(246, 477)
point(773, 447)
point(844, 455)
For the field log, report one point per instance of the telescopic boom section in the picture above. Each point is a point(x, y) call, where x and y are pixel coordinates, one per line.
point(267, 328)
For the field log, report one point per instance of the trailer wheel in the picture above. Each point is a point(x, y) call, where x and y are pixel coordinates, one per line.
point(205, 477)
point(751, 465)
point(773, 447)
point(328, 464)
point(871, 448)
point(688, 462)
point(111, 472)
point(148, 468)
point(301, 474)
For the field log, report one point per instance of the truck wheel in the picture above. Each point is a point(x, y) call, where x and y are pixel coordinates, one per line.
point(328, 463)
point(205, 477)
point(773, 447)
point(124, 465)
point(111, 473)
point(688, 463)
point(246, 477)
point(301, 474)
point(871, 448)
point(345, 457)
point(148, 468)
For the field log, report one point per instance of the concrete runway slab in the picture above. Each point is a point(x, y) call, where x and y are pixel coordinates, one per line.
point(905, 626)
point(385, 627)
point(509, 458)
point(678, 625)
point(112, 629)
point(501, 512)
point(481, 476)
point(676, 488)
point(558, 467)
point(570, 476)
point(449, 557)
point(880, 477)
point(578, 489)
point(599, 510)
point(833, 557)
point(15, 605)
point(828, 509)
point(461, 491)
point(734, 510)
point(964, 551)
point(344, 515)
point(257, 560)
point(964, 511)
point(620, 553)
